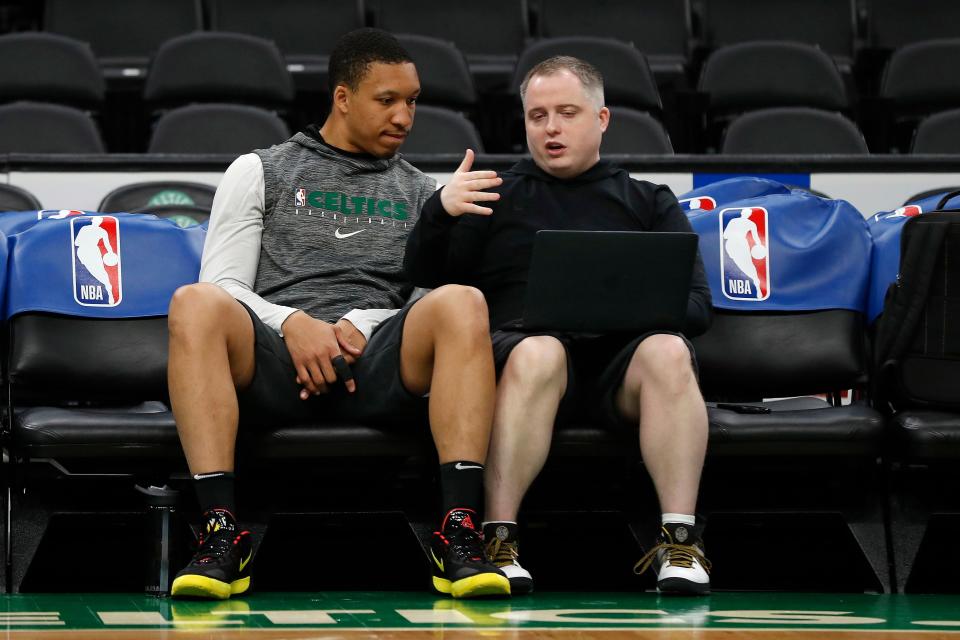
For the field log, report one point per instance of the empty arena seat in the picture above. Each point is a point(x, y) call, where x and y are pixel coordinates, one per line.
point(892, 23)
point(304, 30)
point(217, 128)
point(635, 132)
point(754, 75)
point(939, 133)
point(439, 130)
point(627, 79)
point(491, 34)
point(49, 68)
point(923, 75)
point(35, 127)
point(218, 67)
point(13, 198)
point(827, 24)
point(124, 34)
point(919, 79)
point(445, 78)
point(793, 130)
point(661, 30)
point(186, 203)
point(796, 330)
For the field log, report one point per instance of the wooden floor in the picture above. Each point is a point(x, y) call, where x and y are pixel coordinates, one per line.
point(420, 615)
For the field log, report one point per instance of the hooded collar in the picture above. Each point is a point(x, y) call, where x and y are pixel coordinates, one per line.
point(599, 171)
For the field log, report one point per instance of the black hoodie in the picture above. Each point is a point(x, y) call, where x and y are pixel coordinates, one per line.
point(493, 252)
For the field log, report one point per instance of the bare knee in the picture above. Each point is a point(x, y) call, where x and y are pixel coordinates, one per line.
point(459, 310)
point(662, 360)
point(536, 363)
point(198, 311)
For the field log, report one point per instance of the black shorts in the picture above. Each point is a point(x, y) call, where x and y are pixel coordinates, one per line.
point(273, 397)
point(595, 370)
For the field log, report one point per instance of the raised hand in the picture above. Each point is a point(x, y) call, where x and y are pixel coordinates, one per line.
point(467, 188)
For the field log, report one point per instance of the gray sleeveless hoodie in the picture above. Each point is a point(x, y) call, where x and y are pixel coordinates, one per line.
point(335, 227)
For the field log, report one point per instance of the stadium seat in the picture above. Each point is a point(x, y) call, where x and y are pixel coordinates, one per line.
point(660, 30)
point(635, 132)
point(827, 24)
point(445, 79)
point(793, 130)
point(304, 30)
point(49, 68)
point(217, 128)
point(438, 130)
point(491, 34)
point(771, 74)
point(918, 380)
point(13, 198)
point(939, 133)
point(627, 79)
point(218, 67)
point(920, 79)
point(923, 75)
point(757, 75)
point(35, 127)
point(186, 203)
point(124, 34)
point(893, 23)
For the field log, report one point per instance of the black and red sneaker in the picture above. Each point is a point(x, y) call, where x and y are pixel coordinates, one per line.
point(460, 566)
point(221, 566)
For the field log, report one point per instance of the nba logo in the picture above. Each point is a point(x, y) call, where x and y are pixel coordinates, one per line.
point(703, 203)
point(95, 247)
point(744, 254)
point(909, 211)
point(300, 199)
point(57, 214)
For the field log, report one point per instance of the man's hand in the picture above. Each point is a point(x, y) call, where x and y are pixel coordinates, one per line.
point(467, 187)
point(312, 345)
point(353, 337)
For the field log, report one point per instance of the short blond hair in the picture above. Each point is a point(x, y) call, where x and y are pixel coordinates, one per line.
point(589, 76)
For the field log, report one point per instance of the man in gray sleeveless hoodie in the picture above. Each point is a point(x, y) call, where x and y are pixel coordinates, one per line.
point(299, 317)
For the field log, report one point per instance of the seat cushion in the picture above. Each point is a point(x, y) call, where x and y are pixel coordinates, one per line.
point(927, 435)
point(145, 430)
point(796, 427)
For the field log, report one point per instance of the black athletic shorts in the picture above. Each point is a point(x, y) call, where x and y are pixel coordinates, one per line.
point(273, 397)
point(595, 370)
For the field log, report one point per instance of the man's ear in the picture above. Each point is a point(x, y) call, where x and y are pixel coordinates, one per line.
point(604, 116)
point(341, 98)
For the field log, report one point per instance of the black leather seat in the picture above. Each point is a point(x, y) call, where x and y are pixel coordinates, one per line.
point(795, 131)
point(660, 29)
point(13, 198)
point(635, 132)
point(439, 130)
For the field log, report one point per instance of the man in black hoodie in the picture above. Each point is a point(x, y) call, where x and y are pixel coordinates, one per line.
point(648, 380)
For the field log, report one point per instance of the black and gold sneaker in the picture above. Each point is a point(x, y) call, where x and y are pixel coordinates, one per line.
point(679, 561)
point(460, 567)
point(503, 551)
point(221, 566)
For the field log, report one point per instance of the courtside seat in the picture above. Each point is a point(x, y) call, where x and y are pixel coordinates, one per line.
point(341, 440)
point(927, 435)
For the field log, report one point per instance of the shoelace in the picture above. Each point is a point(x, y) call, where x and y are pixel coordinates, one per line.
point(215, 545)
point(503, 553)
point(679, 555)
point(465, 544)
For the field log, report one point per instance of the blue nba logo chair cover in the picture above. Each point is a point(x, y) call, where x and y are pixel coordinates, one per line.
point(788, 274)
point(86, 301)
point(915, 303)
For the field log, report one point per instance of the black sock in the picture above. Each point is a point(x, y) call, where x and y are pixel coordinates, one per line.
point(461, 486)
point(215, 491)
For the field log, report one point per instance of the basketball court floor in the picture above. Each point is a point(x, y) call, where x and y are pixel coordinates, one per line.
point(411, 616)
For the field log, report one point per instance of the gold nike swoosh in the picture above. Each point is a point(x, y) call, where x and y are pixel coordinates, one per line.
point(244, 563)
point(439, 562)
